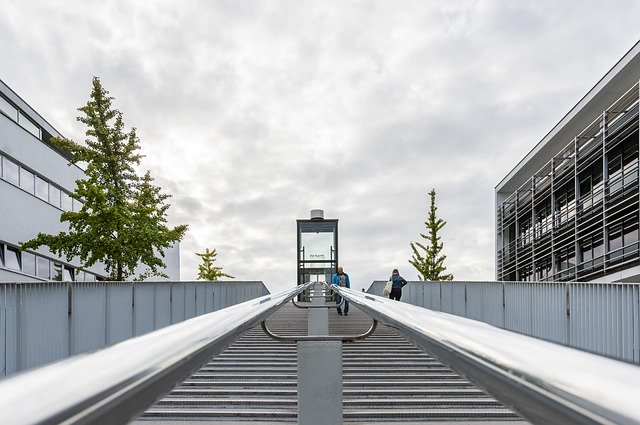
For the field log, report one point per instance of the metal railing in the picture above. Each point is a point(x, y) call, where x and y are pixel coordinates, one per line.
point(42, 322)
point(115, 384)
point(603, 318)
point(542, 381)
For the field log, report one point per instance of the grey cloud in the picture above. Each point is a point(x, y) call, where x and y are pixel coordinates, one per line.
point(252, 113)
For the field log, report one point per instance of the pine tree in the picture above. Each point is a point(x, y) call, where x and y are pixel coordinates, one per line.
point(206, 270)
point(122, 221)
point(427, 259)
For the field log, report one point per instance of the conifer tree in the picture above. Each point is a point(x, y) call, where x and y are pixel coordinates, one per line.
point(206, 270)
point(122, 221)
point(426, 258)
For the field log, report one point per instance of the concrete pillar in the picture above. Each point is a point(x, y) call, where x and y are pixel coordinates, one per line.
point(320, 382)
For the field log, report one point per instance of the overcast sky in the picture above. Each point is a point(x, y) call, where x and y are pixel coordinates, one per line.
point(252, 113)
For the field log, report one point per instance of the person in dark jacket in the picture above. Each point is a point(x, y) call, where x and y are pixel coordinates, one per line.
point(341, 279)
point(398, 283)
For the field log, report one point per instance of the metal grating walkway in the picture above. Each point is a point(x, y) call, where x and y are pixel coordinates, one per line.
point(386, 379)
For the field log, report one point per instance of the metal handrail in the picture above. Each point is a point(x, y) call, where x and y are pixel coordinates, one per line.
point(544, 382)
point(343, 338)
point(114, 385)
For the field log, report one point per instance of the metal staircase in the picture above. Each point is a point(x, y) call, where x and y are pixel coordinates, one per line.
point(385, 377)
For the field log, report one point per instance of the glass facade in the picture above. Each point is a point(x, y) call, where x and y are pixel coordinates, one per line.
point(576, 219)
point(317, 251)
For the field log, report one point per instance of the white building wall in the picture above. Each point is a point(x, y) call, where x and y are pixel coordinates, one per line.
point(22, 214)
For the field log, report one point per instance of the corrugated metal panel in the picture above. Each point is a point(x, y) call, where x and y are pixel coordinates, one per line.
point(43, 304)
point(44, 321)
point(492, 303)
point(217, 298)
point(143, 311)
point(459, 306)
point(88, 316)
point(209, 297)
point(119, 312)
point(475, 304)
point(3, 328)
point(446, 297)
point(12, 354)
point(549, 311)
point(635, 346)
point(602, 318)
point(177, 302)
point(427, 293)
point(436, 296)
point(517, 315)
point(201, 306)
point(162, 304)
point(189, 300)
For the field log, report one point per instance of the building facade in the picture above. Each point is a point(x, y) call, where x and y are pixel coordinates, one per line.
point(36, 183)
point(569, 211)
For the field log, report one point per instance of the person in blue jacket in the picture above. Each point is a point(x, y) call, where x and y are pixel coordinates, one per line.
point(398, 283)
point(341, 279)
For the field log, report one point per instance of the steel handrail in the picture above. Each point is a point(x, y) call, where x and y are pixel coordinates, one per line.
point(296, 338)
point(544, 382)
point(114, 385)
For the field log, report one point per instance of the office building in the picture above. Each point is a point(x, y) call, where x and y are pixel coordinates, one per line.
point(569, 210)
point(36, 182)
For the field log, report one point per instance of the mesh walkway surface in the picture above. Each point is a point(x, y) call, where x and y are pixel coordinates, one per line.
point(386, 379)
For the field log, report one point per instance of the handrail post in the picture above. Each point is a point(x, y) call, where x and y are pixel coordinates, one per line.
point(318, 318)
point(319, 370)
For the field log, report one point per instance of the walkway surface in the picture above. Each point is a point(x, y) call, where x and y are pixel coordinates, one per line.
point(386, 380)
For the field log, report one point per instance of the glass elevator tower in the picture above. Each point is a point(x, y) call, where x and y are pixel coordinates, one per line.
point(317, 249)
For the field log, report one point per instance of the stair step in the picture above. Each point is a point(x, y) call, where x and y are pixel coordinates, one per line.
point(401, 403)
point(404, 414)
point(459, 383)
point(278, 375)
point(432, 391)
point(385, 379)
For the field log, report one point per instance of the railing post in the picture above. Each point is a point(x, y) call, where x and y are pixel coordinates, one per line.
point(320, 382)
point(318, 318)
point(319, 370)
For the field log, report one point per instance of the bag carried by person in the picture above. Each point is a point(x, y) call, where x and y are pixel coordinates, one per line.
point(387, 288)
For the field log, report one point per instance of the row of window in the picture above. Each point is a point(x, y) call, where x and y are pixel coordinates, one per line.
point(31, 264)
point(32, 183)
point(15, 114)
point(623, 240)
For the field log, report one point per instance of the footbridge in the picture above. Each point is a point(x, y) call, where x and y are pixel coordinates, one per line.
point(272, 359)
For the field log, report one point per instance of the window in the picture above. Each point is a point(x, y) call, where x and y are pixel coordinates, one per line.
point(525, 230)
point(615, 237)
point(28, 263)
point(543, 218)
point(565, 203)
point(27, 180)
point(67, 203)
point(67, 274)
point(12, 258)
point(54, 196)
point(542, 269)
point(28, 125)
point(10, 171)
point(77, 205)
point(8, 109)
point(56, 271)
point(42, 189)
point(1, 255)
point(43, 268)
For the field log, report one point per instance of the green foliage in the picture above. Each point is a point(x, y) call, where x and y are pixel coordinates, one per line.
point(122, 222)
point(427, 259)
point(206, 270)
